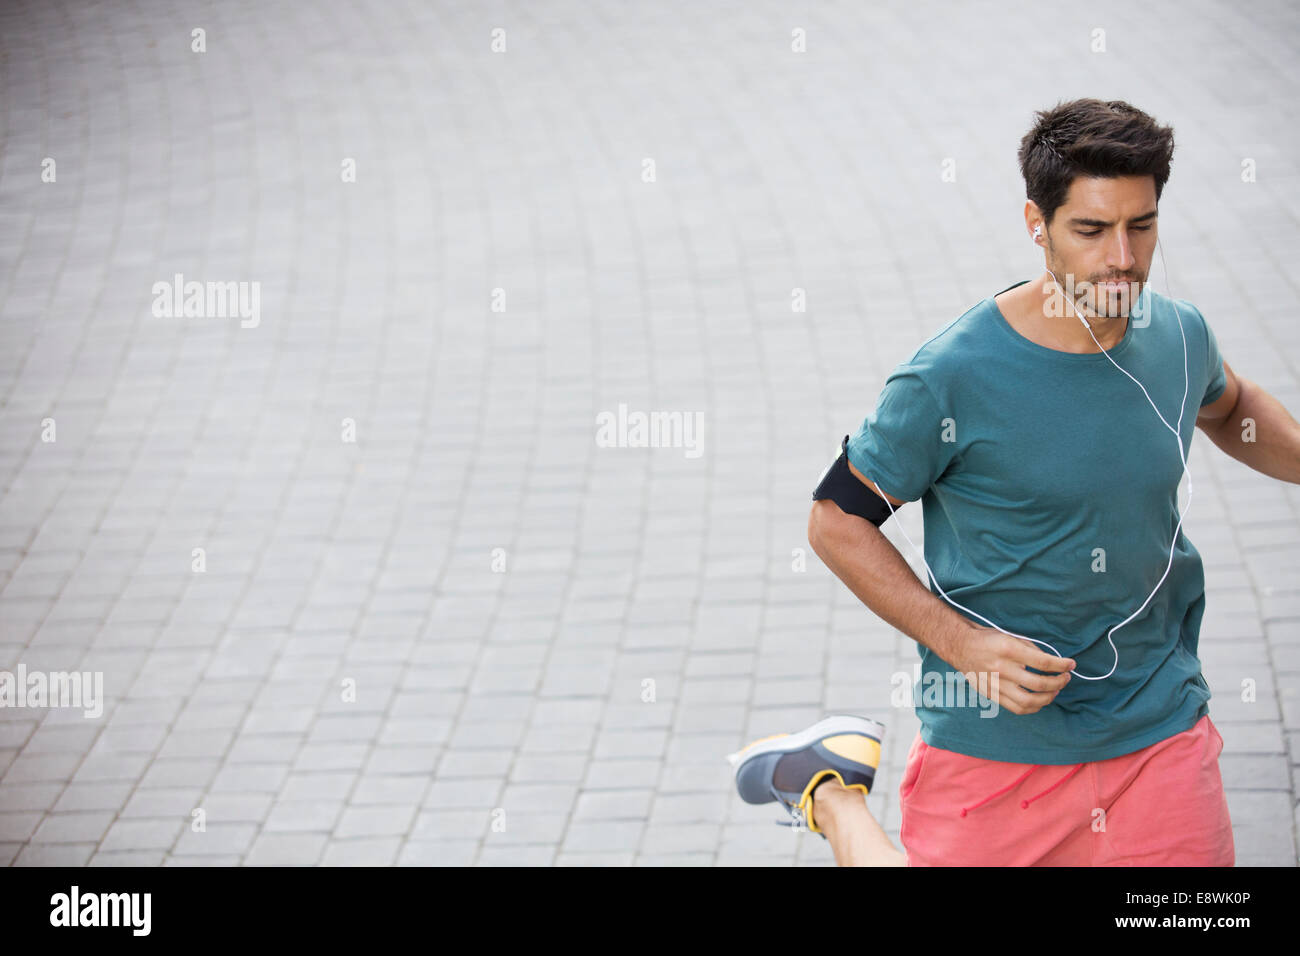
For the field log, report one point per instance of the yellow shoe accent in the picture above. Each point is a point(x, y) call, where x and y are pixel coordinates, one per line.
point(855, 747)
point(754, 743)
point(805, 801)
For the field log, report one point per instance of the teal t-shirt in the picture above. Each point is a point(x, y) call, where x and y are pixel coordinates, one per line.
point(1049, 493)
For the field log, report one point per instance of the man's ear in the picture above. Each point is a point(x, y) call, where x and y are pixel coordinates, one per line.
point(1033, 218)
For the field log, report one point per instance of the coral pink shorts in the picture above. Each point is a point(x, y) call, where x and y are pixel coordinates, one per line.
point(1162, 805)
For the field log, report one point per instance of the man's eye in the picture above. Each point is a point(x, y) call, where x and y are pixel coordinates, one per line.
point(1097, 232)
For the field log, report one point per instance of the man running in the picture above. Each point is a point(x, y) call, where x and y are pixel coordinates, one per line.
point(1041, 431)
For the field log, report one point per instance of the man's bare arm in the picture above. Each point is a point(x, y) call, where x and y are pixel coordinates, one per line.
point(860, 555)
point(1270, 444)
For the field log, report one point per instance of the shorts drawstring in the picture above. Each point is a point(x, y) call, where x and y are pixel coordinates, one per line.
point(1024, 804)
point(1014, 783)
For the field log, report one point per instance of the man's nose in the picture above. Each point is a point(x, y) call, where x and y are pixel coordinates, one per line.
point(1119, 252)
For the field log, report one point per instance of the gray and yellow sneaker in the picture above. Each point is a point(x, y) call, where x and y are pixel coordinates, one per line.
point(786, 767)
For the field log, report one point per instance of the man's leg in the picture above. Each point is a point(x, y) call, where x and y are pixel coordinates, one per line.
point(855, 837)
point(1164, 805)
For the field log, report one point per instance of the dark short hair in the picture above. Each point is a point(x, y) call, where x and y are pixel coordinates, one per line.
point(1091, 138)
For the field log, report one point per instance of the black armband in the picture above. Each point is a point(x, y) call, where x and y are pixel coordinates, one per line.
point(841, 486)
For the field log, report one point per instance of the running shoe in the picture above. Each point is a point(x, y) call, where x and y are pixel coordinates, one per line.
point(786, 767)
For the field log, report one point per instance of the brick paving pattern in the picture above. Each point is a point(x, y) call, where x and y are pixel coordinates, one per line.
point(472, 635)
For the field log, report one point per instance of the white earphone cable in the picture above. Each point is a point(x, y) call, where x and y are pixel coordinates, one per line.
point(1181, 454)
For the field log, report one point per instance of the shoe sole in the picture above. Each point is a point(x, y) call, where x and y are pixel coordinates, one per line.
point(827, 727)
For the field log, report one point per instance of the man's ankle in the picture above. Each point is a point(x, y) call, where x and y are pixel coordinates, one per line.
point(824, 789)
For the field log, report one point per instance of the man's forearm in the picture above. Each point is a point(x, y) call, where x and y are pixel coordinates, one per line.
point(862, 557)
point(1269, 442)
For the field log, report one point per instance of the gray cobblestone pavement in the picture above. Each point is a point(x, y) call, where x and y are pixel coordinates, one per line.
point(435, 643)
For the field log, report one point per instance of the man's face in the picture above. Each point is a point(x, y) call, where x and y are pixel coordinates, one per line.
point(1104, 236)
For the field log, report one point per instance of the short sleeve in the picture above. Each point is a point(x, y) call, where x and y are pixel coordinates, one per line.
point(1213, 366)
point(901, 445)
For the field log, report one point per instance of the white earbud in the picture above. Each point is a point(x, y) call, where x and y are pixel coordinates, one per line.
point(1038, 232)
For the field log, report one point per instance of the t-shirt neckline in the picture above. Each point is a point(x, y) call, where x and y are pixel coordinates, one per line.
point(1056, 354)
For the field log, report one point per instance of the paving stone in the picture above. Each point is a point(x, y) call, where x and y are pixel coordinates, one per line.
point(125, 835)
point(438, 853)
point(286, 849)
point(368, 852)
point(677, 859)
point(216, 840)
point(128, 858)
point(374, 822)
point(305, 816)
point(517, 856)
point(87, 828)
point(595, 859)
point(18, 827)
point(603, 836)
point(55, 854)
point(29, 796)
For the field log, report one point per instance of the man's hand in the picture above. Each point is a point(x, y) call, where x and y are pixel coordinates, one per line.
point(1000, 662)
